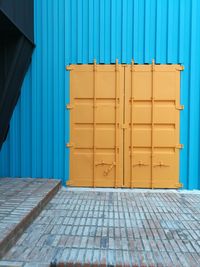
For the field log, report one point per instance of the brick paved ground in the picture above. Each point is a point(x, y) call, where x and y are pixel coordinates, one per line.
point(117, 228)
point(19, 200)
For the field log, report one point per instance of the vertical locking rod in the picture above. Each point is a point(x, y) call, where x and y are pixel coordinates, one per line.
point(116, 120)
point(132, 101)
point(152, 119)
point(94, 120)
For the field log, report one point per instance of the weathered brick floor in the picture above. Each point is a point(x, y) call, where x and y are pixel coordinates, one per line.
point(116, 228)
point(20, 200)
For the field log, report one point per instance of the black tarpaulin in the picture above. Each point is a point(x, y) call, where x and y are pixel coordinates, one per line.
point(16, 46)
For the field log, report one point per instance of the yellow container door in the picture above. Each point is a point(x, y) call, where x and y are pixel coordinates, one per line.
point(124, 125)
point(96, 143)
point(152, 110)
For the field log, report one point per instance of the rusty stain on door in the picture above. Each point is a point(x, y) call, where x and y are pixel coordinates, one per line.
point(124, 125)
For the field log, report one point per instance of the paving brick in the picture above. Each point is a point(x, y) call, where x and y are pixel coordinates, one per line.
point(119, 257)
point(64, 256)
point(88, 256)
point(83, 242)
point(114, 228)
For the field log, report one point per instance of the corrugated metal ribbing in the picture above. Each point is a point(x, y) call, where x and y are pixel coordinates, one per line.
point(77, 31)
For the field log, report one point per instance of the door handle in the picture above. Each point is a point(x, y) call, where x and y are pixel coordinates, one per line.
point(106, 172)
point(160, 164)
point(140, 164)
point(103, 163)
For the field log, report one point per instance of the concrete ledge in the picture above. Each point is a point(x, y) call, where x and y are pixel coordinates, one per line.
point(17, 230)
point(129, 190)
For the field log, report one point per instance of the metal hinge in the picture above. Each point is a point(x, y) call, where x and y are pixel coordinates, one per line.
point(102, 163)
point(69, 67)
point(69, 145)
point(179, 146)
point(179, 185)
point(68, 106)
point(180, 68)
point(180, 107)
point(69, 182)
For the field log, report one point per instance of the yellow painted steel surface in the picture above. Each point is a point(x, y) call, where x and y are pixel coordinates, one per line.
point(124, 125)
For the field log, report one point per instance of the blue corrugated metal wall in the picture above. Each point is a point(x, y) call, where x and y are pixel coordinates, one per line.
point(77, 31)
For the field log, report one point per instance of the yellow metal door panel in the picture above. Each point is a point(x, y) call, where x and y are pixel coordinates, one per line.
point(165, 85)
point(124, 125)
point(141, 168)
point(105, 137)
point(141, 84)
point(165, 113)
point(106, 83)
point(142, 113)
point(80, 78)
point(164, 136)
point(81, 167)
point(96, 111)
point(83, 111)
point(105, 111)
point(152, 114)
point(165, 169)
point(83, 137)
point(141, 135)
point(105, 169)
